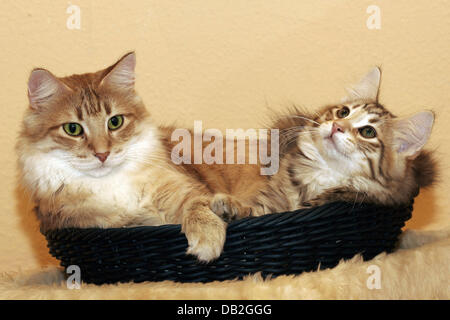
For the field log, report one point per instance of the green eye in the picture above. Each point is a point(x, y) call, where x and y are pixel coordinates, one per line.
point(115, 122)
point(73, 129)
point(342, 113)
point(368, 132)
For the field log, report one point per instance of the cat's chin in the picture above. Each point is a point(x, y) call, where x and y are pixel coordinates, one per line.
point(99, 172)
point(332, 146)
point(334, 149)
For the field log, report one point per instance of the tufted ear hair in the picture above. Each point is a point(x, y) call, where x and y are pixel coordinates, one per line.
point(412, 133)
point(121, 75)
point(366, 89)
point(43, 87)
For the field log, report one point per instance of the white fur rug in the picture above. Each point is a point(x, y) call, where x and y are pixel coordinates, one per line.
point(419, 269)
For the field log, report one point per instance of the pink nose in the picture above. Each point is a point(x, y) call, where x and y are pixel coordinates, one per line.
point(336, 128)
point(102, 156)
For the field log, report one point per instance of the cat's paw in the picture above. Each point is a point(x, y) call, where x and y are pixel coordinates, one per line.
point(205, 233)
point(228, 207)
point(331, 195)
point(313, 203)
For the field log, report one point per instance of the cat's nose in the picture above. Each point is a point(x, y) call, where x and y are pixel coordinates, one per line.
point(336, 128)
point(102, 156)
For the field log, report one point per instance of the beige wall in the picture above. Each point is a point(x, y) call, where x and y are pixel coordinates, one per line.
point(225, 62)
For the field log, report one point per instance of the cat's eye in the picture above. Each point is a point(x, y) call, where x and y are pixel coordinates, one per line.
point(343, 112)
point(73, 129)
point(115, 122)
point(368, 132)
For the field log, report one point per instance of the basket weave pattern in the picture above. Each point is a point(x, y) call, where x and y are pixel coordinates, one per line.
point(274, 244)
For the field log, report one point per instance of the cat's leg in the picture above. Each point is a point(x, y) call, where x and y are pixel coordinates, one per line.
point(204, 230)
point(228, 207)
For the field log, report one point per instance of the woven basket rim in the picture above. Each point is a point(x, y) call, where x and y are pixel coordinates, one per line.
point(306, 214)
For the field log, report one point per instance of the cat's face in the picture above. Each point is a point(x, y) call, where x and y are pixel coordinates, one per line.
point(361, 138)
point(92, 132)
point(88, 122)
point(353, 135)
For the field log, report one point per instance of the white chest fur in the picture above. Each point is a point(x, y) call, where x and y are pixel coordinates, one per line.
point(47, 173)
point(318, 173)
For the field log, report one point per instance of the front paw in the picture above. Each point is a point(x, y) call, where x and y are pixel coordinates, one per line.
point(228, 207)
point(205, 233)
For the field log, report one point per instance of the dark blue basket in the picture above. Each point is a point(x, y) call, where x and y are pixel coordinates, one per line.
point(274, 244)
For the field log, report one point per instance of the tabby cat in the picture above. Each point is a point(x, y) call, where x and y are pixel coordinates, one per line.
point(356, 151)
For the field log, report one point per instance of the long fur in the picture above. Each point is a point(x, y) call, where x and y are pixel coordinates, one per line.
point(140, 185)
point(425, 277)
point(425, 169)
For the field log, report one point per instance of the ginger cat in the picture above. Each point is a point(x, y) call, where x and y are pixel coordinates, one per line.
point(91, 156)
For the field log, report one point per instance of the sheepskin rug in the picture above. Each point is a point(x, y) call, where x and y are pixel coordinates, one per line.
point(419, 269)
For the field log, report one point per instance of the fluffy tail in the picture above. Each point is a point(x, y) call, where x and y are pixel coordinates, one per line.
point(425, 169)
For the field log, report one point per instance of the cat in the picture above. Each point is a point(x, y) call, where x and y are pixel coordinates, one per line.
point(90, 155)
point(355, 151)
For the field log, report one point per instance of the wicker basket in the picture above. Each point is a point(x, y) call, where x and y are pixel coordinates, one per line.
point(274, 244)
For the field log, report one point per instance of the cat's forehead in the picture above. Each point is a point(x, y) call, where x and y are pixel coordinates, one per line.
point(358, 112)
point(87, 98)
point(90, 103)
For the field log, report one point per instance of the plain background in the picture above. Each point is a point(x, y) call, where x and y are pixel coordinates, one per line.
point(225, 63)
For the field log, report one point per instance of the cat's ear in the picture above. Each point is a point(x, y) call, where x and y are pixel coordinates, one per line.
point(121, 75)
point(411, 134)
point(366, 89)
point(43, 87)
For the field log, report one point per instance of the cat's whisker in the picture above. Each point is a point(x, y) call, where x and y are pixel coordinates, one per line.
point(298, 134)
point(291, 136)
point(157, 163)
point(138, 154)
point(149, 161)
point(287, 142)
point(301, 117)
point(356, 197)
point(300, 128)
